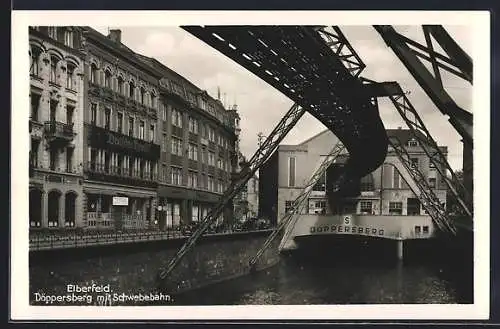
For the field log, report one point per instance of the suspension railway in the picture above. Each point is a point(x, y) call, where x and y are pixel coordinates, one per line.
point(319, 70)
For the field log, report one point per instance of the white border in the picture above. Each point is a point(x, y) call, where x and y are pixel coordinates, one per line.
point(20, 309)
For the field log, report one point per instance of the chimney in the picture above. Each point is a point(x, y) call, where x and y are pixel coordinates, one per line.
point(115, 35)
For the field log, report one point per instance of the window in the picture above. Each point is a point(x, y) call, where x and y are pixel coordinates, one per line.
point(69, 77)
point(70, 110)
point(291, 171)
point(176, 176)
point(193, 179)
point(131, 126)
point(288, 206)
point(119, 122)
point(93, 114)
point(176, 146)
point(53, 69)
point(219, 164)
point(53, 159)
point(193, 125)
point(53, 110)
point(69, 159)
point(143, 96)
point(220, 186)
point(417, 229)
point(107, 79)
point(152, 133)
point(177, 118)
point(412, 143)
point(432, 166)
point(35, 56)
point(35, 105)
point(52, 32)
point(366, 183)
point(165, 142)
point(153, 101)
point(93, 73)
point(396, 179)
point(35, 144)
point(193, 152)
point(120, 85)
point(432, 182)
point(164, 173)
point(365, 207)
point(163, 112)
point(211, 134)
point(210, 183)
point(211, 158)
point(395, 208)
point(141, 130)
point(414, 163)
point(131, 91)
point(68, 38)
point(107, 118)
point(412, 206)
point(425, 229)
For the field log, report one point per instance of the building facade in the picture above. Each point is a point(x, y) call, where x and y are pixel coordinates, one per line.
point(197, 150)
point(122, 150)
point(119, 140)
point(385, 191)
point(56, 135)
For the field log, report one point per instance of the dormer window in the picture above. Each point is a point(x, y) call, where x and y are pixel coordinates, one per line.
point(68, 38)
point(412, 143)
point(52, 32)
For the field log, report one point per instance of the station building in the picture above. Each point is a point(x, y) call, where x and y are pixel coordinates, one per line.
point(56, 128)
point(382, 192)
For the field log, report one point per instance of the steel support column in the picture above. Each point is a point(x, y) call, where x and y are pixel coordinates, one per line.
point(261, 155)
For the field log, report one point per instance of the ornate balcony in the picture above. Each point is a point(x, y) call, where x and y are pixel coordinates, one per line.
point(58, 131)
point(119, 175)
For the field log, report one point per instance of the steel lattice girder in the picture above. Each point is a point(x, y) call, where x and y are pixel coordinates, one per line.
point(297, 61)
point(339, 44)
point(426, 141)
point(425, 194)
point(459, 118)
point(261, 155)
point(300, 202)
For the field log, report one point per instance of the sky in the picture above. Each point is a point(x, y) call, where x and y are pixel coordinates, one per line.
point(260, 106)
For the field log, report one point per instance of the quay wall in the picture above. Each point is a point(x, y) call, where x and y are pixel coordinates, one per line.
point(133, 268)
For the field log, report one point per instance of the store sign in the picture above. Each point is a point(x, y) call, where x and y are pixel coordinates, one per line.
point(120, 201)
point(126, 142)
point(361, 230)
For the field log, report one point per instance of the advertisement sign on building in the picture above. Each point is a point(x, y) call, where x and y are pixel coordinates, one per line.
point(120, 201)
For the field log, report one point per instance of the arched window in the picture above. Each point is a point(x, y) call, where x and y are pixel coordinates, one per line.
point(35, 57)
point(120, 85)
point(93, 73)
point(53, 69)
point(107, 79)
point(131, 92)
point(153, 100)
point(69, 77)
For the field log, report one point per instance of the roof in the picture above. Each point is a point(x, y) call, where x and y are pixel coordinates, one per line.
point(403, 135)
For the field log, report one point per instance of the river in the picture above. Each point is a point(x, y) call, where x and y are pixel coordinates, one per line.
point(301, 281)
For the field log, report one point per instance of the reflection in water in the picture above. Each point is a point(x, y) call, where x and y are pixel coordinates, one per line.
point(298, 281)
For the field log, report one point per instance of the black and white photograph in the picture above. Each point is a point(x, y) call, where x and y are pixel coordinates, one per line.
point(250, 165)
